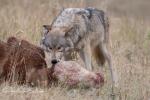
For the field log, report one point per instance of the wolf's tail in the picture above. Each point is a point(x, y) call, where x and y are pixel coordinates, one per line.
point(98, 56)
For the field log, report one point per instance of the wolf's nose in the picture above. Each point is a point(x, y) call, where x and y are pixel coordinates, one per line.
point(54, 61)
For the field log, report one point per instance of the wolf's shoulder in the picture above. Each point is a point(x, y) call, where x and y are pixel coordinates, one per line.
point(66, 17)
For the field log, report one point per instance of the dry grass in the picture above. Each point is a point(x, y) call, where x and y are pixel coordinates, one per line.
point(130, 40)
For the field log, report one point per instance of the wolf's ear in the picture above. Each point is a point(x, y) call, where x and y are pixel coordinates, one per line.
point(47, 27)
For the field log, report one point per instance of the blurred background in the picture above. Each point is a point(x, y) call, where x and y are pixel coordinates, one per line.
point(129, 42)
point(26, 15)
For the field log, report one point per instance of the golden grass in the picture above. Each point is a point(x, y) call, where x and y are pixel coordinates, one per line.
point(130, 45)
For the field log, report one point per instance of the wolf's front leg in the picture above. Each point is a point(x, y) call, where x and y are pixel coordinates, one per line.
point(86, 55)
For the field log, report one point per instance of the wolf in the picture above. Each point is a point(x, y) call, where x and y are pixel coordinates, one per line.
point(85, 30)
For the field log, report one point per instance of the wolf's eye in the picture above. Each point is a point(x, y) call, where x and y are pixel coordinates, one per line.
point(50, 48)
point(60, 49)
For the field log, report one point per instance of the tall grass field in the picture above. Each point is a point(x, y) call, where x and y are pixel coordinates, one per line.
point(129, 46)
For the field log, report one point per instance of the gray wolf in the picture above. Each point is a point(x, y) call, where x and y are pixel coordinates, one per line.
point(85, 30)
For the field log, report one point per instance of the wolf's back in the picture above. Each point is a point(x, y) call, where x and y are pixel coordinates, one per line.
point(66, 19)
point(102, 16)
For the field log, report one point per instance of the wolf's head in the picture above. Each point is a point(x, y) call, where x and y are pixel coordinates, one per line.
point(56, 43)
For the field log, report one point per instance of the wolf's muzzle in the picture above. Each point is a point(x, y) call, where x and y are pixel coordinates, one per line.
point(54, 61)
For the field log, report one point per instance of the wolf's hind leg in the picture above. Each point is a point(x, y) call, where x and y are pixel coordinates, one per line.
point(108, 59)
point(86, 56)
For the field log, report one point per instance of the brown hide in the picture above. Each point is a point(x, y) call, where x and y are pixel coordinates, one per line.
point(3, 54)
point(41, 77)
point(23, 57)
